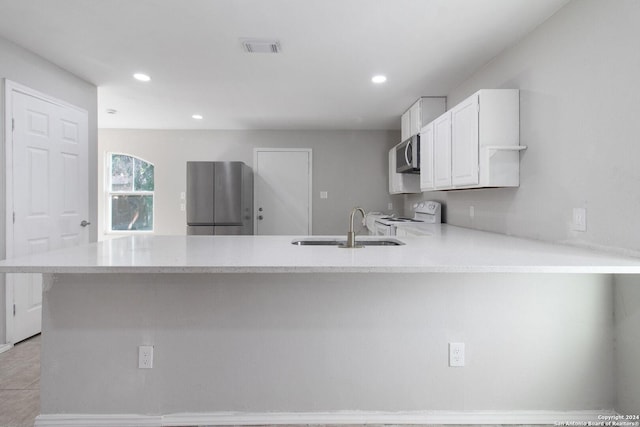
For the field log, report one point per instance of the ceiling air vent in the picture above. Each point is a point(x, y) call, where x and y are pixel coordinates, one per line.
point(260, 45)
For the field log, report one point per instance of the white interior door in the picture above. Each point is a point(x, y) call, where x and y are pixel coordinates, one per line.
point(282, 191)
point(48, 196)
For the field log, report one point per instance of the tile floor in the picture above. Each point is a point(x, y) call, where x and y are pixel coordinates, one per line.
point(20, 384)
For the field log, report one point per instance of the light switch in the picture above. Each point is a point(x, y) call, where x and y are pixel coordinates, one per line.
point(324, 195)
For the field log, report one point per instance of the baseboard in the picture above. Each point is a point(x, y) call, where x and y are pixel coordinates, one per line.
point(324, 418)
point(99, 420)
point(5, 347)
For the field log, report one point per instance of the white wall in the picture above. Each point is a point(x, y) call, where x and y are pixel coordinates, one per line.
point(350, 165)
point(327, 342)
point(578, 77)
point(627, 339)
point(28, 69)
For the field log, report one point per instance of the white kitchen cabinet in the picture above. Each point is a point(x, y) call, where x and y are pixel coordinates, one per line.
point(426, 158)
point(476, 144)
point(405, 126)
point(442, 152)
point(464, 142)
point(415, 122)
point(400, 183)
point(485, 140)
point(423, 111)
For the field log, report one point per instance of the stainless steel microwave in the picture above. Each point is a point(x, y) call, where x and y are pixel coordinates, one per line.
point(408, 155)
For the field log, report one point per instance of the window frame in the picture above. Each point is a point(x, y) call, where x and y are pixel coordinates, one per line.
point(109, 196)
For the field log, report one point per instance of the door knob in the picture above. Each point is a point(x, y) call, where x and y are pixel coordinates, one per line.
point(84, 223)
point(259, 216)
point(259, 209)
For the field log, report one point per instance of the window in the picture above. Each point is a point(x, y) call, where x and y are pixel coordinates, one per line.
point(130, 193)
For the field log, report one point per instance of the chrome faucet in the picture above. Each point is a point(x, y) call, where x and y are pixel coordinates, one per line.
point(351, 235)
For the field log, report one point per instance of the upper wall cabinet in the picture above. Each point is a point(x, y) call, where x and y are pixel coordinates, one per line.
point(426, 158)
point(405, 126)
point(442, 151)
point(435, 154)
point(475, 144)
point(465, 142)
point(423, 111)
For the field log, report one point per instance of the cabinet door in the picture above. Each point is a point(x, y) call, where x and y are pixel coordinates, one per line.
point(464, 143)
point(442, 151)
point(415, 119)
point(426, 158)
point(393, 184)
point(405, 126)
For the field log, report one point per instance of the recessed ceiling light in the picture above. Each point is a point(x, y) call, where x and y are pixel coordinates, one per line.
point(197, 116)
point(141, 77)
point(379, 79)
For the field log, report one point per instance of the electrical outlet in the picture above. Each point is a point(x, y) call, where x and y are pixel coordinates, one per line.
point(456, 354)
point(390, 206)
point(182, 207)
point(145, 357)
point(324, 195)
point(579, 219)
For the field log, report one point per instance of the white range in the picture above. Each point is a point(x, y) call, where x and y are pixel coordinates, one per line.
point(427, 214)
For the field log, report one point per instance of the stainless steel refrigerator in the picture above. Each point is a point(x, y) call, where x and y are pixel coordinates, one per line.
point(219, 198)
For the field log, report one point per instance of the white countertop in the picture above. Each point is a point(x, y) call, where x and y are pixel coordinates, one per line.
point(452, 250)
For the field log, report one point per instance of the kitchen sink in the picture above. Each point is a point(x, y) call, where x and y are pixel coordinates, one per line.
point(319, 241)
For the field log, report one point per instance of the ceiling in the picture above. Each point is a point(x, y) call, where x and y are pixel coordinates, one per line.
point(320, 80)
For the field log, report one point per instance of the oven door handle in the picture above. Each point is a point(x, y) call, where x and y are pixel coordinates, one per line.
point(383, 229)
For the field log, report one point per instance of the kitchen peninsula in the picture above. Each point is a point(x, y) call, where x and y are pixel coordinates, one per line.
point(449, 249)
point(255, 330)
